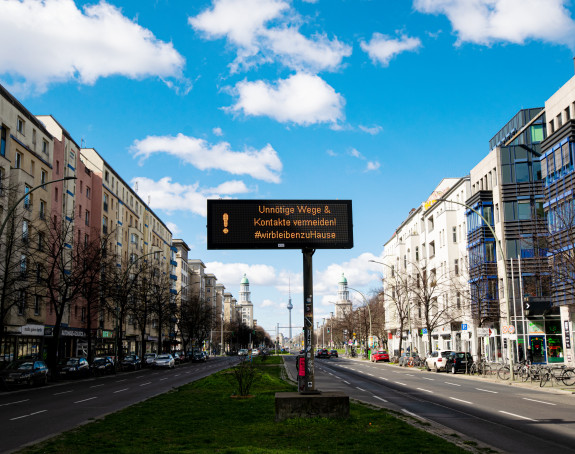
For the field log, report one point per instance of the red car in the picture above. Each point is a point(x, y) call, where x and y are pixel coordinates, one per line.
point(380, 355)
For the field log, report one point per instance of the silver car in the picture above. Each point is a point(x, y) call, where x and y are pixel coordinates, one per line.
point(165, 360)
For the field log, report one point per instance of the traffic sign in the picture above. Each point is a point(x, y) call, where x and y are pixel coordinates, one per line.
point(504, 329)
point(511, 329)
point(464, 327)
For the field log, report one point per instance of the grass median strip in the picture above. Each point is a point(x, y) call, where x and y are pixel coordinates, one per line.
point(202, 417)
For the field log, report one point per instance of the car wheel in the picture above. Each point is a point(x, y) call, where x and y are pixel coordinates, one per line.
point(435, 368)
point(427, 367)
point(453, 370)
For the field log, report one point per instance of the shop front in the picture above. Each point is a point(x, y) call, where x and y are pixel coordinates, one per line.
point(22, 341)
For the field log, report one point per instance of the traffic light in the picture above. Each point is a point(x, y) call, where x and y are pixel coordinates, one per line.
point(328, 330)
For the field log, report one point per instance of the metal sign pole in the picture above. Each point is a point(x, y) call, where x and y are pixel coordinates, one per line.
point(306, 380)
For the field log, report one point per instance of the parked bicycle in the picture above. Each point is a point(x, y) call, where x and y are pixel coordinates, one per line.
point(558, 374)
point(481, 367)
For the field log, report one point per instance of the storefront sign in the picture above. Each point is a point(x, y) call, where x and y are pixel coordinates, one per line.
point(107, 334)
point(483, 332)
point(567, 334)
point(72, 332)
point(33, 330)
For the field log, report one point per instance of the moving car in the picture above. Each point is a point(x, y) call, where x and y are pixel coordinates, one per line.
point(437, 360)
point(165, 360)
point(322, 353)
point(333, 354)
point(199, 357)
point(73, 367)
point(459, 361)
point(25, 372)
point(380, 355)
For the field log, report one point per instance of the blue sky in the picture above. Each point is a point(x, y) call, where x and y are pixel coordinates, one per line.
point(370, 100)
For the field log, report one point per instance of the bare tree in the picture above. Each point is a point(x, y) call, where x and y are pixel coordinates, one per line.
point(195, 320)
point(397, 294)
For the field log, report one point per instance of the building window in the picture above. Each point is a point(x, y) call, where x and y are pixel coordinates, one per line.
point(105, 202)
point(18, 160)
point(45, 147)
point(2, 140)
point(37, 303)
point(42, 209)
point(23, 264)
point(25, 231)
point(20, 125)
point(43, 178)
point(454, 234)
point(21, 302)
point(83, 314)
point(458, 299)
point(40, 241)
point(106, 175)
point(456, 267)
point(104, 225)
point(28, 198)
point(431, 249)
point(87, 218)
point(88, 192)
point(417, 253)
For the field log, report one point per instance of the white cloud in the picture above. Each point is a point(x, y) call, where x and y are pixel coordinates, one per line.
point(268, 30)
point(516, 21)
point(302, 99)
point(231, 274)
point(166, 195)
point(53, 41)
point(268, 303)
point(331, 153)
point(174, 229)
point(374, 130)
point(372, 165)
point(218, 132)
point(381, 49)
point(261, 164)
point(356, 154)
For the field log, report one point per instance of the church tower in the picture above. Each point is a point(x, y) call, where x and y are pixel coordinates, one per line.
point(343, 306)
point(245, 305)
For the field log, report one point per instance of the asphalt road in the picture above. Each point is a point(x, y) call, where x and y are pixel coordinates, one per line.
point(508, 418)
point(28, 416)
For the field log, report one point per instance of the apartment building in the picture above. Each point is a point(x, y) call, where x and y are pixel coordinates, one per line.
point(425, 276)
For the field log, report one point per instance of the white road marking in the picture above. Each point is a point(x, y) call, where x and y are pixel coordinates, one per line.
point(452, 384)
point(517, 416)
point(147, 383)
point(357, 387)
point(487, 391)
point(413, 414)
point(383, 378)
point(371, 375)
point(121, 390)
point(25, 416)
point(379, 398)
point(426, 390)
point(539, 401)
point(461, 400)
point(16, 402)
point(97, 386)
point(399, 383)
point(165, 378)
point(118, 381)
point(347, 382)
point(85, 400)
point(63, 392)
point(430, 379)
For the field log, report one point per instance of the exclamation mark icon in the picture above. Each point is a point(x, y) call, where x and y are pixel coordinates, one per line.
point(226, 217)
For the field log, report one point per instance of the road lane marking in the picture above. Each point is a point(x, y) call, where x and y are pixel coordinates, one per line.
point(16, 402)
point(165, 378)
point(487, 391)
point(97, 386)
point(413, 414)
point(371, 375)
point(379, 398)
point(85, 400)
point(411, 375)
point(430, 379)
point(383, 378)
point(121, 390)
point(461, 400)
point(452, 384)
point(177, 375)
point(147, 383)
point(118, 381)
point(517, 416)
point(357, 387)
point(539, 401)
point(339, 378)
point(25, 416)
point(399, 383)
point(426, 390)
point(347, 382)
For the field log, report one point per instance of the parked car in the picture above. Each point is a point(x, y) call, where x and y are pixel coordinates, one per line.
point(206, 355)
point(73, 368)
point(322, 353)
point(149, 359)
point(165, 360)
point(131, 362)
point(241, 352)
point(437, 360)
point(380, 355)
point(102, 366)
point(333, 354)
point(459, 361)
point(25, 372)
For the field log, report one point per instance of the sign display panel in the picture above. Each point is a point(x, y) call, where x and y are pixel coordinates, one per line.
point(279, 224)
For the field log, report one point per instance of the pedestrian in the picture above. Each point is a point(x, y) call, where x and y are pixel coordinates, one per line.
point(529, 355)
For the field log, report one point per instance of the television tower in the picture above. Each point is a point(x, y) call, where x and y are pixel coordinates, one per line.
point(290, 307)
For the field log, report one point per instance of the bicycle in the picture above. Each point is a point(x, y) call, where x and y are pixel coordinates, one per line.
point(481, 367)
point(563, 374)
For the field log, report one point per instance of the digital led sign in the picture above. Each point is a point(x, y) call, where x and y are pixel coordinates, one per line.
point(279, 224)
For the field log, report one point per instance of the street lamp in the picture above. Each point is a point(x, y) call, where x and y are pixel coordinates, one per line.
point(323, 333)
point(367, 305)
point(27, 194)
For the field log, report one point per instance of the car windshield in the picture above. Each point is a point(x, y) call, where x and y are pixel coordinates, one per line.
point(21, 365)
point(99, 360)
point(163, 357)
point(130, 358)
point(460, 355)
point(71, 362)
point(149, 355)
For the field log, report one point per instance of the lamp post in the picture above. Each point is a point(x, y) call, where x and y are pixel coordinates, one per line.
point(11, 210)
point(323, 333)
point(368, 309)
point(331, 330)
point(505, 289)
